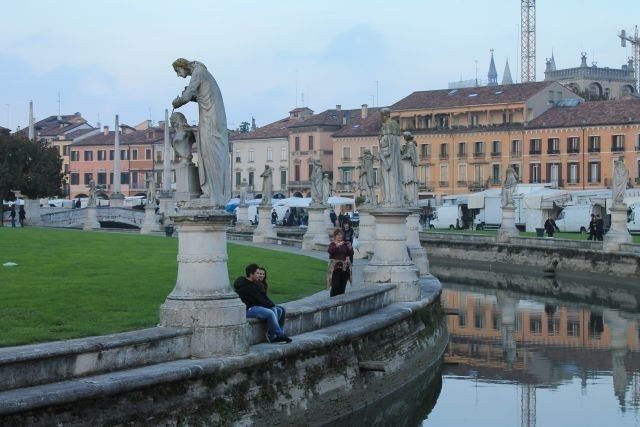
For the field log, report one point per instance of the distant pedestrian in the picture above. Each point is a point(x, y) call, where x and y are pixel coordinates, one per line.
point(274, 217)
point(13, 215)
point(592, 228)
point(599, 228)
point(550, 226)
point(333, 217)
point(22, 215)
point(340, 219)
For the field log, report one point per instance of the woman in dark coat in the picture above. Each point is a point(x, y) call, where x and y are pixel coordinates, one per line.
point(339, 271)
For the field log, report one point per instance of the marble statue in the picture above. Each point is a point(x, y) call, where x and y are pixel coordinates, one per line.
point(213, 138)
point(390, 171)
point(151, 189)
point(366, 181)
point(92, 194)
point(409, 169)
point(183, 138)
point(326, 188)
point(509, 187)
point(316, 182)
point(620, 180)
point(267, 184)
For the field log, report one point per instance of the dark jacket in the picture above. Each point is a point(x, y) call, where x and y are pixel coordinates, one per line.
point(251, 294)
point(348, 235)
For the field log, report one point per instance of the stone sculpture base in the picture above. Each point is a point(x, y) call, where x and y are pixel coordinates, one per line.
point(242, 218)
point(149, 223)
point(187, 182)
point(91, 222)
point(317, 230)
point(366, 233)
point(116, 200)
point(416, 251)
point(507, 228)
point(167, 206)
point(265, 228)
point(618, 232)
point(32, 209)
point(391, 262)
point(202, 298)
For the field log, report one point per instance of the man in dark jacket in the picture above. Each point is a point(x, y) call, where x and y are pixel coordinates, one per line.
point(259, 305)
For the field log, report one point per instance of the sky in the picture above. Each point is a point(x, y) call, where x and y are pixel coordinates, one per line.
point(103, 58)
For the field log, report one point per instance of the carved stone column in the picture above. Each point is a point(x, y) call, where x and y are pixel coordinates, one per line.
point(202, 298)
point(317, 230)
point(507, 228)
point(618, 232)
point(91, 223)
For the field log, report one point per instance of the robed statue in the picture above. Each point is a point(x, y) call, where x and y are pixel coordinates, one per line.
point(390, 171)
point(267, 185)
point(620, 180)
point(316, 182)
point(509, 187)
point(410, 169)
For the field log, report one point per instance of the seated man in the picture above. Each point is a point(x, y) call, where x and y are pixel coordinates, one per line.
point(259, 306)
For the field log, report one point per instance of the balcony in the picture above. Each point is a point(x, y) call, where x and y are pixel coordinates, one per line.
point(515, 154)
point(555, 183)
point(425, 186)
point(617, 148)
point(479, 155)
point(495, 182)
point(496, 154)
point(299, 184)
point(594, 149)
point(346, 186)
point(444, 156)
point(346, 159)
point(425, 156)
point(535, 152)
point(573, 150)
point(477, 186)
point(443, 183)
point(461, 183)
point(462, 155)
point(553, 152)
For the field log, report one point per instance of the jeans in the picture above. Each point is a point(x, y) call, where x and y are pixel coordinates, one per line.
point(263, 313)
point(280, 312)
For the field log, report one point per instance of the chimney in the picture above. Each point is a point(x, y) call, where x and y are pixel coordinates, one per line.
point(365, 111)
point(106, 130)
point(338, 107)
point(161, 124)
point(253, 123)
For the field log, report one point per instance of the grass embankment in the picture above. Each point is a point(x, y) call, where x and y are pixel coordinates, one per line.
point(569, 236)
point(70, 283)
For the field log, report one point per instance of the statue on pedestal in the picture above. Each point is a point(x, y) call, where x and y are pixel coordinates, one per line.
point(391, 174)
point(409, 169)
point(151, 189)
point(620, 180)
point(366, 182)
point(316, 182)
point(326, 188)
point(509, 187)
point(212, 140)
point(267, 185)
point(91, 202)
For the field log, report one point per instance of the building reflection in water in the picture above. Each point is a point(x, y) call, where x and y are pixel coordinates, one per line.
point(502, 336)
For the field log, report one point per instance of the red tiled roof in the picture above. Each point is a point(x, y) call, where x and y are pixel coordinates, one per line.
point(481, 95)
point(590, 113)
point(51, 125)
point(272, 130)
point(356, 126)
point(133, 138)
point(326, 118)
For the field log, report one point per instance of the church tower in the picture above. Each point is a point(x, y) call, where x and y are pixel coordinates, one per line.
point(493, 74)
point(506, 76)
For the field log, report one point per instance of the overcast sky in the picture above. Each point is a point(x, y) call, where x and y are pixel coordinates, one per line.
point(114, 57)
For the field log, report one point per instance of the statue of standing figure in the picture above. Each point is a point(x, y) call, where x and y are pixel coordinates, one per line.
point(409, 169)
point(509, 187)
point(316, 182)
point(151, 189)
point(326, 188)
point(267, 185)
point(366, 181)
point(213, 139)
point(91, 202)
point(391, 174)
point(183, 139)
point(620, 180)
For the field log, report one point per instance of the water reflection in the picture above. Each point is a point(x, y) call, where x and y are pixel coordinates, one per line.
point(552, 353)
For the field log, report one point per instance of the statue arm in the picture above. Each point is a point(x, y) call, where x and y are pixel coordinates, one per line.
point(190, 92)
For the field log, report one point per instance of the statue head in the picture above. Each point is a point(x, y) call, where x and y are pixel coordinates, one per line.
point(178, 118)
point(385, 113)
point(182, 67)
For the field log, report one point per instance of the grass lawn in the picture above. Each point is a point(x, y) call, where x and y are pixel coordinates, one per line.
point(570, 236)
point(71, 283)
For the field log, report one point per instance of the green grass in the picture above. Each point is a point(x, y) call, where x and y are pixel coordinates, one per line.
point(570, 236)
point(70, 283)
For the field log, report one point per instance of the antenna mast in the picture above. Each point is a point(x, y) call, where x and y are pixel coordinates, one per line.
point(635, 45)
point(528, 41)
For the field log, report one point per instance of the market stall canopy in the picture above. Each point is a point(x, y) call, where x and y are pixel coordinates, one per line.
point(545, 198)
point(338, 200)
point(476, 200)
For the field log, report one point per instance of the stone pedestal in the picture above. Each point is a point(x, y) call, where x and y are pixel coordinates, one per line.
point(91, 223)
point(32, 210)
point(167, 206)
point(507, 228)
point(265, 228)
point(116, 200)
point(618, 232)
point(417, 252)
point(202, 298)
point(317, 230)
point(149, 223)
point(366, 232)
point(242, 218)
point(391, 262)
point(187, 182)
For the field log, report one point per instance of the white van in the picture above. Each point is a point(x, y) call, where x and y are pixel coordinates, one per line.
point(576, 218)
point(633, 220)
point(447, 216)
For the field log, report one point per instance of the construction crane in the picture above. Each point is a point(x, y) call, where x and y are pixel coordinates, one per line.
point(635, 45)
point(528, 40)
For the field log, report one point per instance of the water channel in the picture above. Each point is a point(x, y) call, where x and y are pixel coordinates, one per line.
point(531, 350)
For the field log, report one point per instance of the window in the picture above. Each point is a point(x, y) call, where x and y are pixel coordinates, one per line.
point(462, 174)
point(374, 150)
point(375, 176)
point(65, 150)
point(238, 158)
point(594, 144)
point(75, 179)
point(269, 154)
point(444, 173)
point(462, 149)
point(297, 144)
point(296, 172)
point(474, 120)
point(423, 176)
point(102, 155)
point(495, 174)
point(535, 324)
point(478, 148)
point(478, 320)
point(147, 154)
point(134, 179)
point(478, 173)
point(496, 148)
point(594, 172)
point(553, 173)
point(124, 178)
point(124, 154)
point(425, 151)
point(535, 175)
point(310, 142)
point(506, 118)
point(251, 156)
point(516, 147)
point(347, 175)
point(283, 179)
point(283, 153)
point(535, 146)
point(462, 320)
point(158, 156)
point(553, 326)
point(111, 156)
point(251, 178)
point(88, 156)
point(444, 151)
point(87, 178)
point(75, 156)
point(573, 173)
point(134, 154)
point(102, 178)
point(111, 178)
point(573, 328)
point(346, 153)
point(553, 146)
point(617, 143)
point(573, 144)
point(238, 178)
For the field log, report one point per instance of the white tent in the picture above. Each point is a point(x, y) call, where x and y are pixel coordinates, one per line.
point(338, 200)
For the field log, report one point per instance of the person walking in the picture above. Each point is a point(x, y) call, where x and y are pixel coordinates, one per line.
point(339, 269)
point(21, 216)
point(550, 226)
point(599, 228)
point(592, 228)
point(348, 234)
point(12, 213)
point(333, 217)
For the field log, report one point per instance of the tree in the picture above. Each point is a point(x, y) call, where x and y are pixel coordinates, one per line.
point(244, 127)
point(33, 167)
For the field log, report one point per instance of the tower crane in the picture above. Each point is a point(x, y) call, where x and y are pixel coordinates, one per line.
point(635, 45)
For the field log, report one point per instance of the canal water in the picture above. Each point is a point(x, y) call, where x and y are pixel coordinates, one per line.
point(518, 358)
